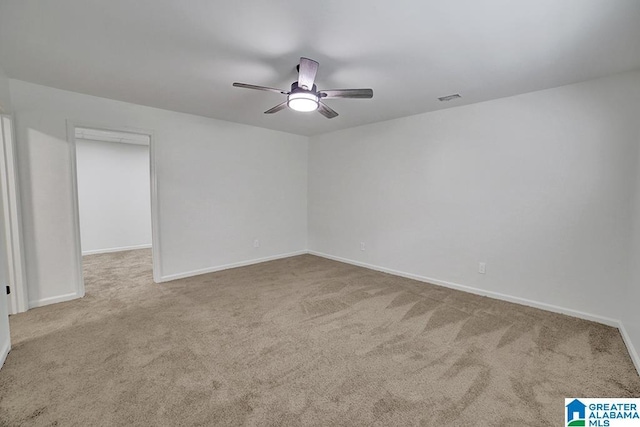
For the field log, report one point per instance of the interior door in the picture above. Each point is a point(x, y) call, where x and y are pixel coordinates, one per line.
point(10, 209)
point(5, 340)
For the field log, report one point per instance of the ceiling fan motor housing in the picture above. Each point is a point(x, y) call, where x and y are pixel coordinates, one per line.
point(295, 88)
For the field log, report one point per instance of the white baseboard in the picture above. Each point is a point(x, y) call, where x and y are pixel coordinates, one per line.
point(120, 249)
point(477, 291)
point(497, 295)
point(170, 277)
point(632, 350)
point(4, 352)
point(517, 300)
point(54, 300)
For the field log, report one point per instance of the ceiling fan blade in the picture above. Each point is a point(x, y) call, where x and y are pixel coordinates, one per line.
point(277, 108)
point(307, 73)
point(268, 89)
point(326, 111)
point(346, 93)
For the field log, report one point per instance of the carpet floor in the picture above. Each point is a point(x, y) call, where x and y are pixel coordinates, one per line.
point(298, 341)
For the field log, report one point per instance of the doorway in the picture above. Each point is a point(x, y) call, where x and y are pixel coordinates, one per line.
point(115, 195)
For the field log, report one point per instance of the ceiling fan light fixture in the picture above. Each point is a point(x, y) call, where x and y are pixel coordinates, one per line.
point(303, 101)
point(304, 95)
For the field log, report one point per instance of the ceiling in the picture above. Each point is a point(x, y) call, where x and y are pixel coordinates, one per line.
point(184, 55)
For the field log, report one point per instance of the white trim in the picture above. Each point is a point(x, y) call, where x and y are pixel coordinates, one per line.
point(93, 134)
point(54, 300)
point(120, 249)
point(13, 219)
point(517, 300)
point(155, 211)
point(4, 353)
point(155, 234)
point(497, 295)
point(75, 206)
point(632, 350)
point(228, 266)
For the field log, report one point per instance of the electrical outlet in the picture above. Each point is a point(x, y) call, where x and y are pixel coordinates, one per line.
point(482, 268)
point(362, 246)
point(256, 243)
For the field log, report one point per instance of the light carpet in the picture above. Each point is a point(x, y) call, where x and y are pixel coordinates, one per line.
point(294, 342)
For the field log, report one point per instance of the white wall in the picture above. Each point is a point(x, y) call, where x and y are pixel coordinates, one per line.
point(536, 185)
point(539, 186)
point(113, 195)
point(220, 186)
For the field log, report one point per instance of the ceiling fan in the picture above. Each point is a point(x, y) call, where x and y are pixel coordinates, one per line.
point(304, 95)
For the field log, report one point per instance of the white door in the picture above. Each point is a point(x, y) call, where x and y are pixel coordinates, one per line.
point(11, 234)
point(9, 275)
point(5, 343)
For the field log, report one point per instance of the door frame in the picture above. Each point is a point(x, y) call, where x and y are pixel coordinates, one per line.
point(155, 234)
point(18, 298)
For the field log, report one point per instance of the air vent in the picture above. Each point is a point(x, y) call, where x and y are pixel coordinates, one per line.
point(449, 97)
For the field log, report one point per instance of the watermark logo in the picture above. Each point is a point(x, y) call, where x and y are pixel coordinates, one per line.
point(602, 412)
point(576, 413)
